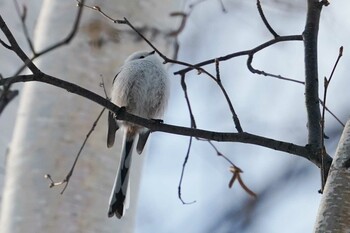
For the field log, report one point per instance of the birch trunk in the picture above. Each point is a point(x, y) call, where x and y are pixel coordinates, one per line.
point(334, 212)
point(52, 123)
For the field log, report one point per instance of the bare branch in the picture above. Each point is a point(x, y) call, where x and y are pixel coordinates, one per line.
point(184, 18)
point(168, 60)
point(228, 100)
point(223, 8)
point(332, 114)
point(306, 152)
point(127, 22)
point(15, 47)
point(326, 84)
point(260, 72)
point(310, 35)
point(23, 17)
point(262, 15)
point(70, 173)
point(184, 88)
point(6, 95)
point(237, 175)
point(236, 172)
point(303, 151)
point(183, 172)
point(56, 45)
point(5, 45)
point(97, 8)
point(242, 53)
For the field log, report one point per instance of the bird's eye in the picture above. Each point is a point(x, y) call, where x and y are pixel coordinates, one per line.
point(141, 57)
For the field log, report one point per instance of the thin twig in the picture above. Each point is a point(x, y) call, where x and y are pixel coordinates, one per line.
point(184, 18)
point(218, 153)
point(98, 9)
point(165, 58)
point(260, 72)
point(228, 100)
point(262, 15)
point(24, 25)
point(58, 44)
point(6, 95)
point(127, 22)
point(223, 8)
point(341, 49)
point(5, 45)
point(217, 70)
point(236, 172)
point(184, 89)
point(193, 125)
point(241, 53)
point(29, 62)
point(70, 173)
point(182, 174)
point(175, 33)
point(237, 175)
point(194, 4)
point(102, 84)
point(332, 114)
point(323, 153)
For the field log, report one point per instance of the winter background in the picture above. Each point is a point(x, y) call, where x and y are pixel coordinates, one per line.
point(287, 186)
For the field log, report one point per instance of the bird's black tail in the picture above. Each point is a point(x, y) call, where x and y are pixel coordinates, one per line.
point(117, 204)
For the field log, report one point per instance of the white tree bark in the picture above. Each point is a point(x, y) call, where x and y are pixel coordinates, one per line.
point(334, 212)
point(9, 64)
point(52, 124)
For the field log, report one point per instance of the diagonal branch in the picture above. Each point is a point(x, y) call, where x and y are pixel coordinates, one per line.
point(228, 100)
point(244, 137)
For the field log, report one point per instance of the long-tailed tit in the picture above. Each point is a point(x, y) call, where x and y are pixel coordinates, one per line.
point(142, 87)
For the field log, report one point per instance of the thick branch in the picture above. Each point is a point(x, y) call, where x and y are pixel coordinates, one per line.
point(156, 126)
point(15, 47)
point(311, 73)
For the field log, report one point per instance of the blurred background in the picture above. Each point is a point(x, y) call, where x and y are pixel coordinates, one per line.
point(286, 185)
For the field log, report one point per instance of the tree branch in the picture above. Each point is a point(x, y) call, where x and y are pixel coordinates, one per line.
point(310, 35)
point(242, 53)
point(262, 15)
point(303, 151)
point(56, 45)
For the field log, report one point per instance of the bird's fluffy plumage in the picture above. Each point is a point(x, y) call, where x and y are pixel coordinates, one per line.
point(142, 87)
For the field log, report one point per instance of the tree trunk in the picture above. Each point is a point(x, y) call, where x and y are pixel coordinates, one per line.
point(334, 212)
point(52, 124)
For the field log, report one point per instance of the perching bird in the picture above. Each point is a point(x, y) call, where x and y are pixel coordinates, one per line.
point(142, 87)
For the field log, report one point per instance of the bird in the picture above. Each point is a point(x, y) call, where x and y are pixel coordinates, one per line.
point(141, 87)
